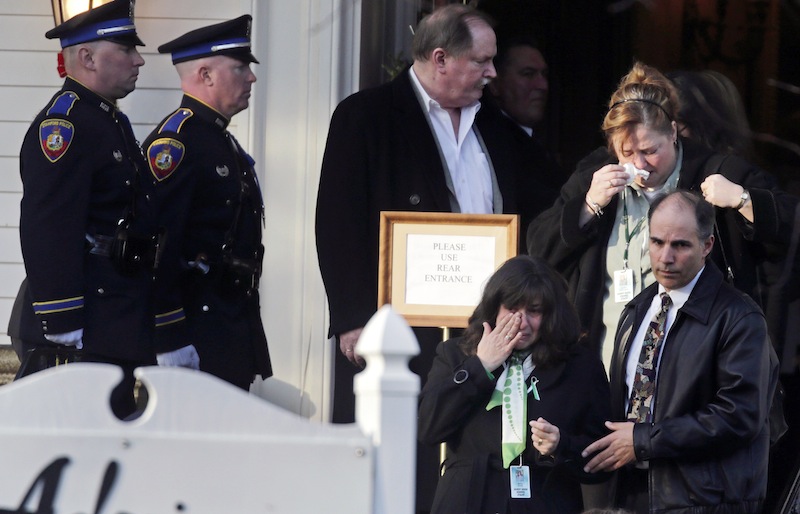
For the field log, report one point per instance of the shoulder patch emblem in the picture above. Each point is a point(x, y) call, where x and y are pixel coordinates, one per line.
point(164, 155)
point(55, 137)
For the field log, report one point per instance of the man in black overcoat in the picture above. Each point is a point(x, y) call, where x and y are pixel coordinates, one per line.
point(420, 143)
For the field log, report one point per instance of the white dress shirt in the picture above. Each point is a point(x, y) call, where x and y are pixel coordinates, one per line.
point(679, 297)
point(466, 161)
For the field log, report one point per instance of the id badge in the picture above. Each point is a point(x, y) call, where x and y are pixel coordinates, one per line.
point(520, 481)
point(623, 285)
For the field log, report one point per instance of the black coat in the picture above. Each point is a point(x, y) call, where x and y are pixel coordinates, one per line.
point(574, 396)
point(80, 166)
point(580, 254)
point(208, 198)
point(708, 444)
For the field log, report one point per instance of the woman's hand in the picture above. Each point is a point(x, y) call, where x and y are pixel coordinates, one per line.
point(496, 345)
point(721, 192)
point(545, 436)
point(606, 182)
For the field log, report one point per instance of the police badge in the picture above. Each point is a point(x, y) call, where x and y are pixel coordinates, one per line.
point(55, 137)
point(164, 155)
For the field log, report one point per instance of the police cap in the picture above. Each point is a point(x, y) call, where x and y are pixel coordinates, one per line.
point(112, 21)
point(231, 38)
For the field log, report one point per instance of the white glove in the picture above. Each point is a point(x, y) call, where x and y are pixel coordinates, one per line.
point(74, 338)
point(185, 357)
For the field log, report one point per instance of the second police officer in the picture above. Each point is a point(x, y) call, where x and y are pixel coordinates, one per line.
point(207, 301)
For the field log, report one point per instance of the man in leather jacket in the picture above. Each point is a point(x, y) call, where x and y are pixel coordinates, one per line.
point(701, 440)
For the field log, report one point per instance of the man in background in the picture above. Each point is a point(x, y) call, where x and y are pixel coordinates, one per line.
point(521, 86)
point(520, 93)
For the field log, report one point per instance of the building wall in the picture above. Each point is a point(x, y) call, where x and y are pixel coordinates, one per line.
point(308, 61)
point(28, 82)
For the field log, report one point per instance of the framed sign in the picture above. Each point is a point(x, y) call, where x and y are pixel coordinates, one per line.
point(433, 265)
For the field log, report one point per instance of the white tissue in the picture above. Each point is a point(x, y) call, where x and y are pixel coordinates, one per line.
point(633, 172)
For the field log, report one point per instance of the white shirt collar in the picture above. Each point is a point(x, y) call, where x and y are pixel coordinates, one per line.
point(680, 295)
point(428, 102)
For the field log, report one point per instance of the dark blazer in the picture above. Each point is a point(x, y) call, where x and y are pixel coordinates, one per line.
point(574, 396)
point(580, 254)
point(381, 155)
point(209, 199)
point(708, 444)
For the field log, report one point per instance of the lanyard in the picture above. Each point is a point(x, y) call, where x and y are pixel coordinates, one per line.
point(628, 232)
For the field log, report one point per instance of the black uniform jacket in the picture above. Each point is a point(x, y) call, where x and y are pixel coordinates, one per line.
point(574, 396)
point(708, 444)
point(580, 254)
point(209, 199)
point(80, 166)
point(381, 155)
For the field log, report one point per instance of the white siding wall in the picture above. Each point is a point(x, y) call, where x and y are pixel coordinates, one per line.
point(28, 81)
point(308, 55)
point(308, 51)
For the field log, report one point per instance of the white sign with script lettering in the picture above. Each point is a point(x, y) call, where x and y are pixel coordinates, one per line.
point(200, 446)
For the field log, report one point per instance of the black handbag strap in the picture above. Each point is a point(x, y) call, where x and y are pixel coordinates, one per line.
point(713, 165)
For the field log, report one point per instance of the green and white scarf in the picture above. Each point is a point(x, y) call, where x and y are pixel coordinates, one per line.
point(511, 392)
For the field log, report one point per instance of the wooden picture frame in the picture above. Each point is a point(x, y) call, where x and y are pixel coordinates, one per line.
point(432, 266)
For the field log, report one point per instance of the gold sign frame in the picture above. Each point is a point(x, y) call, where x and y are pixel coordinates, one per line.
point(470, 248)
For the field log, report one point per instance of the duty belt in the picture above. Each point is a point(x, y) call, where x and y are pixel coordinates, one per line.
point(128, 252)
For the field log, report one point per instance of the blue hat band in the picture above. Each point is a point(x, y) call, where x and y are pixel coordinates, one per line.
point(211, 47)
point(102, 30)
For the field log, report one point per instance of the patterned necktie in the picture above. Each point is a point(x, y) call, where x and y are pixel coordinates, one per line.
point(510, 393)
point(644, 384)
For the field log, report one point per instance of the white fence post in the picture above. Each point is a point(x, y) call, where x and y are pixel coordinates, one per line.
point(386, 408)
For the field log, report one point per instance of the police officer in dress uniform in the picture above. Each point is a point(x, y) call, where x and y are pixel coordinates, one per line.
point(85, 223)
point(207, 302)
